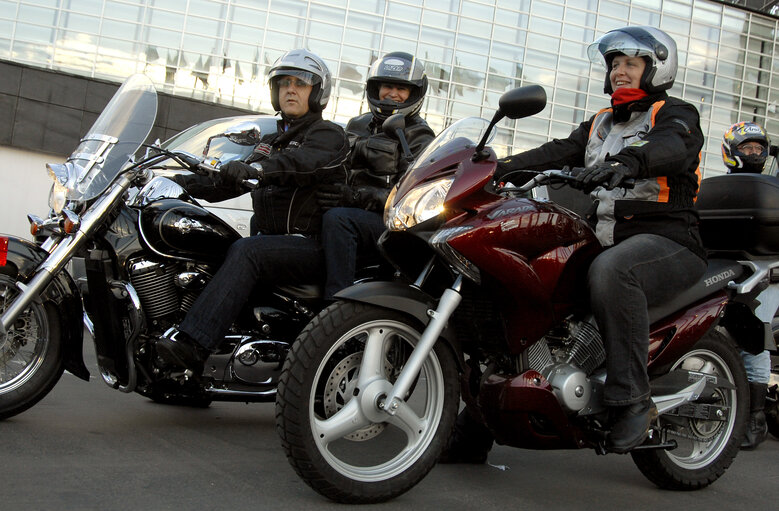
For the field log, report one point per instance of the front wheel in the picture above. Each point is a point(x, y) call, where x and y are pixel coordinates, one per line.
point(328, 413)
point(30, 354)
point(708, 441)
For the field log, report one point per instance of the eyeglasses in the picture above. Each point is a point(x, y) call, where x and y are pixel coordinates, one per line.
point(751, 148)
point(296, 82)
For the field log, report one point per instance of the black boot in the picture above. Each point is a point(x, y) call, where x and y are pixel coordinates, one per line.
point(631, 426)
point(470, 442)
point(180, 350)
point(757, 428)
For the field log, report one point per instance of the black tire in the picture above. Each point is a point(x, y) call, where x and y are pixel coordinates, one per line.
point(30, 354)
point(706, 448)
point(375, 460)
point(772, 410)
point(772, 400)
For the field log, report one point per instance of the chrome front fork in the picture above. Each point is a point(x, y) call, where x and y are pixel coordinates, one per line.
point(62, 253)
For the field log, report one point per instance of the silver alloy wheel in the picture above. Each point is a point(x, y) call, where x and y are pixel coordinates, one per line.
point(699, 440)
point(375, 450)
point(23, 346)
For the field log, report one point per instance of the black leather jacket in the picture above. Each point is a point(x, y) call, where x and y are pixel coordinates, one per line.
point(376, 160)
point(311, 151)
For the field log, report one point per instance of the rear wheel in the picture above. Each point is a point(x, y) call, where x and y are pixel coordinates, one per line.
point(334, 433)
point(705, 446)
point(30, 353)
point(772, 399)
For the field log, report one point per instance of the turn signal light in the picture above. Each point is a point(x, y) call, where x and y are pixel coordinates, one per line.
point(70, 221)
point(36, 224)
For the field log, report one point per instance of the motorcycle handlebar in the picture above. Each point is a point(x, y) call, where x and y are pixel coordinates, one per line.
point(568, 176)
point(198, 166)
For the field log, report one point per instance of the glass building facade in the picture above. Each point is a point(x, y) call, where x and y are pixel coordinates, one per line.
point(473, 50)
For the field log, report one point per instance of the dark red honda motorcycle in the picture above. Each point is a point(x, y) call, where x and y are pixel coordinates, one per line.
point(490, 303)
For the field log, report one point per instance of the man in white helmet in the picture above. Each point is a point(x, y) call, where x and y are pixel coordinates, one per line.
point(289, 166)
point(653, 250)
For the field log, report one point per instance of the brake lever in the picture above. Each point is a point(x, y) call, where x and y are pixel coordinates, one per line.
point(251, 184)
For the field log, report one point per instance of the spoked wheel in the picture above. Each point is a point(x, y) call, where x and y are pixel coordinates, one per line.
point(705, 446)
point(30, 361)
point(328, 408)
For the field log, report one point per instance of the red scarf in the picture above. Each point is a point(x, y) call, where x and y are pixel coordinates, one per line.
point(627, 95)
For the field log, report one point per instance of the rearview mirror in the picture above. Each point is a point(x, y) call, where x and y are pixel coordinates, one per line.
point(523, 102)
point(392, 124)
point(245, 133)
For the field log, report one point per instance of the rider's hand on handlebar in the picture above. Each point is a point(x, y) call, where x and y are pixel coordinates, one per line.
point(609, 174)
point(235, 173)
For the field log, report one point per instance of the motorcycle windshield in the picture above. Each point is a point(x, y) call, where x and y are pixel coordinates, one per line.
point(463, 133)
point(114, 137)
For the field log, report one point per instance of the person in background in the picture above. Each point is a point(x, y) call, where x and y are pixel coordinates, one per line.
point(745, 148)
point(352, 224)
point(289, 167)
point(649, 231)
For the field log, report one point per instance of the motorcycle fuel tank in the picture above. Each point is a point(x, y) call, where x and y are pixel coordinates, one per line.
point(174, 228)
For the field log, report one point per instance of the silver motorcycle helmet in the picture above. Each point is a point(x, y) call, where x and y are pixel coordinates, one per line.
point(308, 67)
point(656, 47)
point(735, 160)
point(399, 68)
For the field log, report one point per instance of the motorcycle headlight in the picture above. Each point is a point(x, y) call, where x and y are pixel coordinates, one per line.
point(420, 204)
point(58, 197)
point(64, 176)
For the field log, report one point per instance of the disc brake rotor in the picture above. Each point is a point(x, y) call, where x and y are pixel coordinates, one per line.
point(339, 388)
point(23, 331)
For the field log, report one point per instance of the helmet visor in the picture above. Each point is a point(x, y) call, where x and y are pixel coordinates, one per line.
point(633, 44)
point(396, 70)
point(292, 75)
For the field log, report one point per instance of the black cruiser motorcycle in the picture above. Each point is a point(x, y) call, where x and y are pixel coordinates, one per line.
point(148, 249)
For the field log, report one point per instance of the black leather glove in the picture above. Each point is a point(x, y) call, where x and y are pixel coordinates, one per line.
point(609, 174)
point(234, 173)
point(501, 169)
point(371, 198)
point(335, 195)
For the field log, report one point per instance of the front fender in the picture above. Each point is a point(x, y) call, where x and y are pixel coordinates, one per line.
point(402, 298)
point(22, 259)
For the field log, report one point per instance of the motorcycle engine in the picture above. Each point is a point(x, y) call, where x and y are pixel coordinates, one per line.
point(166, 288)
point(566, 357)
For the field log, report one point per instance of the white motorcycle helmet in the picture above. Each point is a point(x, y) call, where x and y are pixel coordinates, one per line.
point(308, 67)
point(654, 45)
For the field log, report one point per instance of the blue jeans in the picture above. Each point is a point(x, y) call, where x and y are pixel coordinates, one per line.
point(348, 234)
point(256, 260)
point(758, 366)
point(624, 280)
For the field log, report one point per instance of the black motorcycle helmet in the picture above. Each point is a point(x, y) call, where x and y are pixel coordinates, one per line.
point(735, 160)
point(400, 68)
